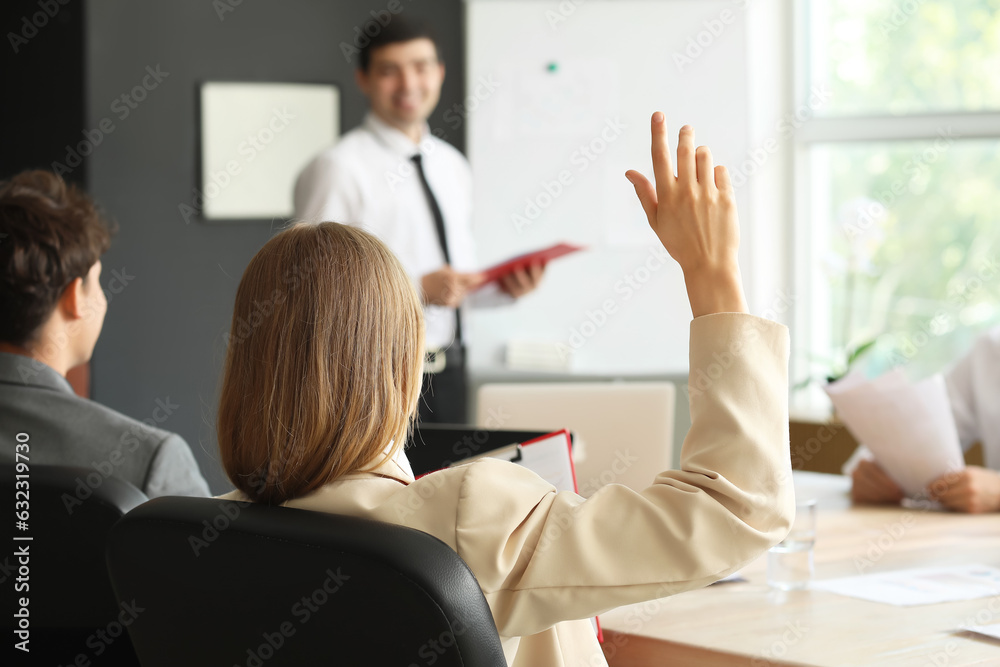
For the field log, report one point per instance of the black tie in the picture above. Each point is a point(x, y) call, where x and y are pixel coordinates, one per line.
point(439, 226)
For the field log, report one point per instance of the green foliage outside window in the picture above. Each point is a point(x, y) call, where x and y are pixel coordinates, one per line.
point(914, 239)
point(907, 56)
point(913, 227)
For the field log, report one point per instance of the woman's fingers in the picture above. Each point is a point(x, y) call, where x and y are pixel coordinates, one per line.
point(722, 180)
point(705, 168)
point(663, 168)
point(646, 193)
point(687, 172)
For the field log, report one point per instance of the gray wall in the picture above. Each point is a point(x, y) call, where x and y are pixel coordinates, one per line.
point(163, 336)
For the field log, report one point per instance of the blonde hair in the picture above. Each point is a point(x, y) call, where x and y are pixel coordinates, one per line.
point(324, 362)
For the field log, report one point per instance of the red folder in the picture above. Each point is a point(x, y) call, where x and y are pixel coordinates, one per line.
point(523, 261)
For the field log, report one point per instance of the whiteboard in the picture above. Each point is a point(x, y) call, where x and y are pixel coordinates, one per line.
point(559, 96)
point(256, 138)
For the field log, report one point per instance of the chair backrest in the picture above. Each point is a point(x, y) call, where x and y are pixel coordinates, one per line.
point(70, 513)
point(219, 582)
point(623, 431)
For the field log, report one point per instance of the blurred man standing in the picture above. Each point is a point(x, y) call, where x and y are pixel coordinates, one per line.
point(394, 178)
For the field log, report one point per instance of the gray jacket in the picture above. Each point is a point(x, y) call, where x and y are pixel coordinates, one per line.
point(64, 429)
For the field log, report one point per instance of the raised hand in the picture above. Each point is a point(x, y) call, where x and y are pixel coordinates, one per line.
point(694, 216)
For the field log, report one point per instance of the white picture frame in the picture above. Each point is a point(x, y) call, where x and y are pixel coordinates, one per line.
point(255, 138)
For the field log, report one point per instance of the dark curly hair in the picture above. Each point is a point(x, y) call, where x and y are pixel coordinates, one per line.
point(51, 233)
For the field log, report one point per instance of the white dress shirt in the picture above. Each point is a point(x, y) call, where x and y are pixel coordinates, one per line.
point(368, 180)
point(974, 392)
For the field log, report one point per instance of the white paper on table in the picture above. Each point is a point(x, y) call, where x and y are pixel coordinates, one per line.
point(909, 428)
point(734, 578)
point(929, 585)
point(988, 630)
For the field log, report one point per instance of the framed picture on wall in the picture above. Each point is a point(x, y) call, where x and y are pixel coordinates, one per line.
point(255, 138)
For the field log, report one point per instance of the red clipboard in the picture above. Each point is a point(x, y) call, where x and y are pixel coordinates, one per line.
point(547, 460)
point(542, 256)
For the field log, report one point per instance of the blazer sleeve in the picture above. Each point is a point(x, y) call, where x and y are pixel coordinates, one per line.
point(543, 557)
point(174, 471)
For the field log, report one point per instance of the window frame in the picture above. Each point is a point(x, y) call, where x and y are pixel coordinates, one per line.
point(812, 321)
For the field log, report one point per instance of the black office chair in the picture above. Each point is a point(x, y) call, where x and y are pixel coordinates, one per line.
point(227, 583)
point(72, 609)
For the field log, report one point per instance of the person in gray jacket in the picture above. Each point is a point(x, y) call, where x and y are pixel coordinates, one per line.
point(51, 240)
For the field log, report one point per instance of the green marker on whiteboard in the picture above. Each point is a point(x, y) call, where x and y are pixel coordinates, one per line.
point(552, 67)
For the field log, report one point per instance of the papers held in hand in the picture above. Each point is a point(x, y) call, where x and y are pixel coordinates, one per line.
point(909, 428)
point(544, 256)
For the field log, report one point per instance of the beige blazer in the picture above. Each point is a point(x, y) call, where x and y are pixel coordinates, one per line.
point(548, 561)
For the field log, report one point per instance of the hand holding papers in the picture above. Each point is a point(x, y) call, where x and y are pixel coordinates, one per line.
point(909, 428)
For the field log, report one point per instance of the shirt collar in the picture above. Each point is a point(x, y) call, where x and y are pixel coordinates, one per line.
point(398, 467)
point(394, 138)
point(21, 370)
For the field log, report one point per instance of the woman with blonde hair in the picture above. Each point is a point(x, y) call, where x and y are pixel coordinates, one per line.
point(322, 381)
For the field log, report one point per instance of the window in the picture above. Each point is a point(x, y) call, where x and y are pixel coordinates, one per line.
point(898, 183)
point(905, 56)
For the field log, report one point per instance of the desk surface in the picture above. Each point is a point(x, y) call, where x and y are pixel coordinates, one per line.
point(748, 623)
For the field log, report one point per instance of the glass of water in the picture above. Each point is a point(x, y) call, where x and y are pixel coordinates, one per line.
point(790, 563)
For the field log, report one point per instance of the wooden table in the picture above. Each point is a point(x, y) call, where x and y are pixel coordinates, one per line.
point(749, 623)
